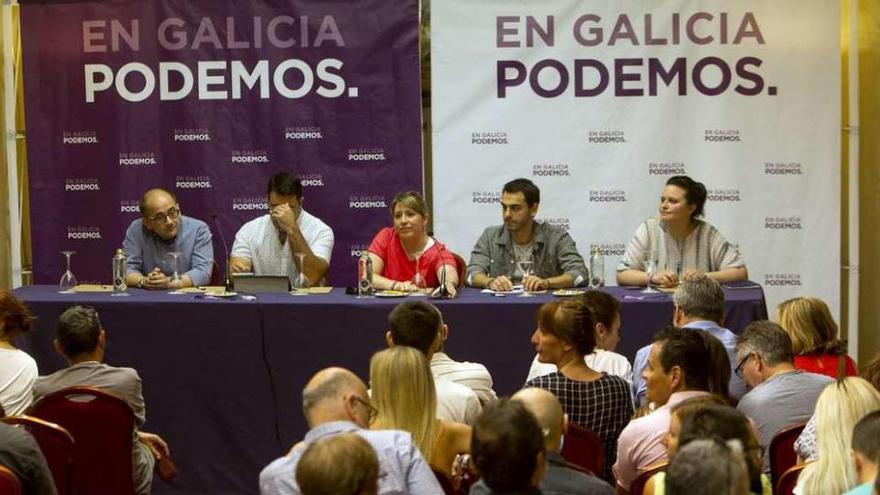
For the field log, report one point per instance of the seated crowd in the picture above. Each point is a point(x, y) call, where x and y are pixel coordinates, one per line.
point(695, 415)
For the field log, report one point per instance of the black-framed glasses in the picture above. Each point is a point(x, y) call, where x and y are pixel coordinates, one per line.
point(161, 217)
point(373, 411)
point(739, 368)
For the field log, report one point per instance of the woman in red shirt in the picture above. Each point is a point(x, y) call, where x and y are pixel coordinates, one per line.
point(814, 339)
point(397, 250)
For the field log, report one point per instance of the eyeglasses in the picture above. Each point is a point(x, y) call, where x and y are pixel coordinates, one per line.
point(172, 213)
point(739, 368)
point(373, 411)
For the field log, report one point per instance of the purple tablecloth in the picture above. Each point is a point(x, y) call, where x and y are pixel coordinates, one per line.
point(223, 378)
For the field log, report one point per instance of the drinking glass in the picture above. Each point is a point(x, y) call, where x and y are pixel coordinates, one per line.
point(68, 280)
point(650, 270)
point(175, 269)
point(525, 267)
point(418, 279)
point(300, 282)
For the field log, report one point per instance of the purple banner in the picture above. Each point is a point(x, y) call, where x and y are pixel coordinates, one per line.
point(209, 99)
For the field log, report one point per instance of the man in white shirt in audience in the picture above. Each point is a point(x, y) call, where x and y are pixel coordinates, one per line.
point(268, 245)
point(418, 324)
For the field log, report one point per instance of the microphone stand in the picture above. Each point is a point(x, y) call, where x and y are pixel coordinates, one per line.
point(226, 276)
point(442, 292)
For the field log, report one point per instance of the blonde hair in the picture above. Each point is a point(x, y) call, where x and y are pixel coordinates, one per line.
point(404, 395)
point(809, 323)
point(840, 406)
point(411, 200)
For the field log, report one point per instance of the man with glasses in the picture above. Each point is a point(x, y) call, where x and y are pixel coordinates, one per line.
point(335, 401)
point(162, 230)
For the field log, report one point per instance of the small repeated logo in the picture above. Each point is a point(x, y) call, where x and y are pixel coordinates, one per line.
point(666, 168)
point(312, 180)
point(249, 157)
point(782, 279)
point(609, 248)
point(82, 184)
point(550, 170)
point(606, 137)
point(731, 195)
point(129, 206)
point(558, 222)
point(489, 138)
point(783, 168)
point(366, 155)
point(190, 182)
point(84, 233)
point(722, 136)
point(249, 204)
point(302, 133)
point(608, 196)
point(366, 202)
point(146, 158)
point(200, 134)
point(783, 223)
point(79, 137)
point(358, 249)
point(486, 197)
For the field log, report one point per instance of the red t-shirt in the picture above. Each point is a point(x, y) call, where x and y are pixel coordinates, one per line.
point(824, 364)
point(398, 267)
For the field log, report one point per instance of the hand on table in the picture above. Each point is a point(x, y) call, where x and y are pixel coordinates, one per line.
point(451, 290)
point(665, 279)
point(501, 284)
point(689, 274)
point(405, 286)
point(534, 284)
point(156, 280)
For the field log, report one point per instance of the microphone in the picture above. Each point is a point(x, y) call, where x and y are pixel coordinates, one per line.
point(227, 279)
point(441, 292)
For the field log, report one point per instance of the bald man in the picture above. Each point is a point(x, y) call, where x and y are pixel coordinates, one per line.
point(161, 230)
point(335, 401)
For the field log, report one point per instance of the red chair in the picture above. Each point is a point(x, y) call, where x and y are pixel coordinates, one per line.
point(788, 480)
point(57, 446)
point(638, 484)
point(103, 426)
point(583, 448)
point(462, 268)
point(9, 482)
point(781, 452)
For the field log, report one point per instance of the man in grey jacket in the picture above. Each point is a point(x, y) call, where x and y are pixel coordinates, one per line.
point(556, 263)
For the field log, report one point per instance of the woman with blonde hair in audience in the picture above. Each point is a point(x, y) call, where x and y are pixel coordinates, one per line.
point(840, 406)
point(813, 332)
point(402, 390)
point(18, 370)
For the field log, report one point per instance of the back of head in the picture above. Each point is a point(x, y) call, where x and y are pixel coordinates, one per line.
point(871, 372)
point(722, 423)
point(687, 349)
point(15, 317)
point(700, 296)
point(324, 392)
point(603, 306)
point(78, 330)
point(546, 409)
point(529, 190)
point(768, 340)
point(403, 392)
point(719, 377)
point(570, 321)
point(694, 192)
point(708, 467)
point(810, 325)
point(344, 464)
point(285, 184)
point(506, 445)
point(415, 324)
point(866, 437)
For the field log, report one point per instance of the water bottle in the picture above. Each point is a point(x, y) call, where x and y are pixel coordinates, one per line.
point(119, 284)
point(597, 268)
point(365, 275)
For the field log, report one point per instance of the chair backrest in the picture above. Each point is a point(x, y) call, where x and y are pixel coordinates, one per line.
point(9, 482)
point(788, 480)
point(582, 447)
point(103, 426)
point(57, 446)
point(462, 268)
point(638, 484)
point(781, 452)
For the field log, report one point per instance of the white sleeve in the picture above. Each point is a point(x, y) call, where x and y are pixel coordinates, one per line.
point(322, 243)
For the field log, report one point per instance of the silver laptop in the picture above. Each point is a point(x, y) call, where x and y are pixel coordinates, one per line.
point(248, 283)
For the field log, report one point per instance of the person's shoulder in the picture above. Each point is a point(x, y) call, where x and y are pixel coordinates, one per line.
point(493, 231)
point(449, 388)
point(194, 223)
point(12, 437)
point(136, 228)
point(279, 471)
point(316, 223)
point(571, 477)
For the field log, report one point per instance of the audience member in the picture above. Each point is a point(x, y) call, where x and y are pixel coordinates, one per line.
point(508, 450)
point(418, 324)
point(82, 340)
point(866, 453)
point(404, 397)
point(598, 401)
point(699, 304)
point(814, 341)
point(871, 372)
point(320, 471)
point(780, 395)
point(708, 467)
point(335, 402)
point(18, 370)
point(678, 368)
point(20, 453)
point(606, 313)
point(840, 406)
point(719, 378)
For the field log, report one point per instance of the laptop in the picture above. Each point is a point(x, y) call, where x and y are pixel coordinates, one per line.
point(248, 283)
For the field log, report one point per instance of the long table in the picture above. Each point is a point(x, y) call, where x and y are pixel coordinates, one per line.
point(223, 377)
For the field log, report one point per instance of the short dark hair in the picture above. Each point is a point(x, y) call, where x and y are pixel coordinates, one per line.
point(570, 321)
point(142, 203)
point(77, 330)
point(767, 339)
point(687, 350)
point(866, 436)
point(603, 306)
point(720, 373)
point(721, 423)
point(505, 445)
point(415, 324)
point(285, 184)
point(694, 192)
point(528, 188)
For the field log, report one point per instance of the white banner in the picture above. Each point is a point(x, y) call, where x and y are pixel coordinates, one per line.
point(599, 103)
